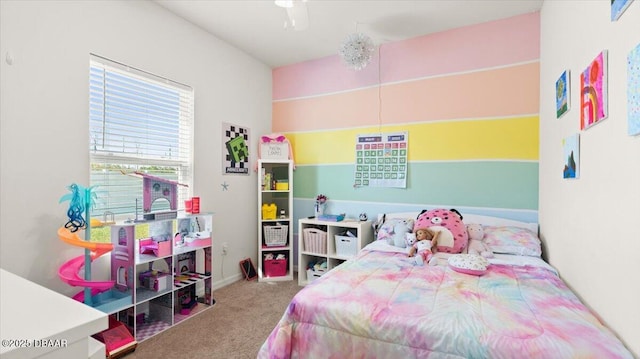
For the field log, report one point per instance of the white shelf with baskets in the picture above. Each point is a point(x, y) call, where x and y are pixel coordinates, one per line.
point(330, 242)
point(275, 226)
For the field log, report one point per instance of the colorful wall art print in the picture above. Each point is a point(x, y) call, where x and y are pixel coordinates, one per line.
point(571, 151)
point(593, 92)
point(633, 91)
point(618, 7)
point(235, 151)
point(563, 88)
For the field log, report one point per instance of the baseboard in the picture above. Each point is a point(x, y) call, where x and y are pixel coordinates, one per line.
point(225, 282)
point(230, 280)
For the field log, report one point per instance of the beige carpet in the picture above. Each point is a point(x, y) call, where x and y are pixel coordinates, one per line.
point(241, 320)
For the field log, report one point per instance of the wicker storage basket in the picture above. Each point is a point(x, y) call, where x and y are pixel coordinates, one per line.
point(315, 240)
point(275, 236)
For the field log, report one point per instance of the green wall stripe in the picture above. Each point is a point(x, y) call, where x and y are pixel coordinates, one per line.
point(502, 184)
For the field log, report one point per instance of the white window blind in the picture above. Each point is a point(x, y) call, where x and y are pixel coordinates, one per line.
point(138, 122)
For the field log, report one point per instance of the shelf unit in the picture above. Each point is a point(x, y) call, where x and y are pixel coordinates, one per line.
point(162, 272)
point(363, 235)
point(275, 227)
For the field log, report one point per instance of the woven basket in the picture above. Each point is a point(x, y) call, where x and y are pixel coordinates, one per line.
point(275, 236)
point(315, 240)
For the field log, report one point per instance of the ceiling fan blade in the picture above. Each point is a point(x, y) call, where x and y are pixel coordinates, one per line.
point(298, 16)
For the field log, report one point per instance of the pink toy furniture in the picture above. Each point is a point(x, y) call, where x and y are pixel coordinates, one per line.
point(196, 240)
point(154, 280)
point(157, 248)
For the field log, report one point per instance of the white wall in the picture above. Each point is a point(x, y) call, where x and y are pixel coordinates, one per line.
point(44, 120)
point(590, 224)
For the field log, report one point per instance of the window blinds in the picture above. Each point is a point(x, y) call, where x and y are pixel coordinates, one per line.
point(137, 122)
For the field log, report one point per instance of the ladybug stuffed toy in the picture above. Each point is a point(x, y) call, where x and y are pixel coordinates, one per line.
point(453, 236)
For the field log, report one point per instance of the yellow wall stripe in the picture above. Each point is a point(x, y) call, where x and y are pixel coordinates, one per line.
point(508, 138)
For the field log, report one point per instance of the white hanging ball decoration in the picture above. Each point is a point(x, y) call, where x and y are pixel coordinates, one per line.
point(357, 50)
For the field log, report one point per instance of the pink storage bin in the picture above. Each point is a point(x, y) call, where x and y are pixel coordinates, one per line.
point(275, 267)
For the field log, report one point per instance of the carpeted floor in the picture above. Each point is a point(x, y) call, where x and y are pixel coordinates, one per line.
point(241, 320)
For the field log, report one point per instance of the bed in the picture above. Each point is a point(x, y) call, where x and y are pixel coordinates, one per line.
point(380, 304)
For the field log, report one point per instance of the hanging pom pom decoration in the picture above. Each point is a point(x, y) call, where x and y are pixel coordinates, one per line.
point(356, 51)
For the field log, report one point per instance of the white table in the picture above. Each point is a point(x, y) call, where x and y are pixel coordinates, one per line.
point(39, 322)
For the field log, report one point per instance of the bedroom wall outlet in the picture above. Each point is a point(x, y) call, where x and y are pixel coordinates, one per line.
point(225, 248)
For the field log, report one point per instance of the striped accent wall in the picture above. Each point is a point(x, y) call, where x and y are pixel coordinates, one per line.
point(469, 99)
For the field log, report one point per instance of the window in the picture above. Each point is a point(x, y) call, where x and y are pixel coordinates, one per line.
point(138, 122)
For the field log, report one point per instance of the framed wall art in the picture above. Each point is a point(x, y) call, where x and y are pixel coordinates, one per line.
point(633, 91)
point(571, 152)
point(618, 7)
point(593, 92)
point(563, 92)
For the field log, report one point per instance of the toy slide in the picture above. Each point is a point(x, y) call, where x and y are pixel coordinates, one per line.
point(68, 272)
point(97, 249)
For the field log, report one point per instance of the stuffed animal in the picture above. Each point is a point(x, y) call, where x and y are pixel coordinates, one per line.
point(421, 249)
point(394, 230)
point(453, 235)
point(476, 242)
point(410, 239)
point(400, 230)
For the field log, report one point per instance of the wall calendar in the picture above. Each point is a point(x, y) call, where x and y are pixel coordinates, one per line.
point(381, 160)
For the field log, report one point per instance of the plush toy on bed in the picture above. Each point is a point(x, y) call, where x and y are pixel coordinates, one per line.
point(410, 238)
point(425, 239)
point(394, 231)
point(400, 230)
point(476, 241)
point(452, 236)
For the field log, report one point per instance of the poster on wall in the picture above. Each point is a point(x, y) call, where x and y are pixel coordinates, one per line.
point(633, 94)
point(571, 151)
point(593, 92)
point(381, 160)
point(563, 88)
point(618, 7)
point(235, 151)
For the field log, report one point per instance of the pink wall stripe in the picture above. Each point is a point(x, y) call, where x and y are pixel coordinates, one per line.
point(325, 75)
point(502, 92)
point(495, 43)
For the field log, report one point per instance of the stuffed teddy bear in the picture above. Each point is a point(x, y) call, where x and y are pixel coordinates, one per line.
point(476, 243)
point(453, 235)
point(425, 239)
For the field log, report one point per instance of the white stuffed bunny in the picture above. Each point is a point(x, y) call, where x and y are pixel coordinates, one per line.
point(476, 244)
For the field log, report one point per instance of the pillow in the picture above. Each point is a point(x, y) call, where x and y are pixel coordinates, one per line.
point(468, 263)
point(453, 236)
point(387, 229)
point(512, 240)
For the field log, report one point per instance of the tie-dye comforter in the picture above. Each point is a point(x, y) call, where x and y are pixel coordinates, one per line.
point(380, 305)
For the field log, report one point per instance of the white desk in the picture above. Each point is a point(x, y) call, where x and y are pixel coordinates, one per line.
point(38, 322)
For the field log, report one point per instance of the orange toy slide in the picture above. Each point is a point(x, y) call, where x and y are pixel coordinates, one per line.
point(68, 272)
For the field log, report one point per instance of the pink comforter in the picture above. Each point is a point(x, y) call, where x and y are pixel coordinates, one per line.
point(382, 306)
